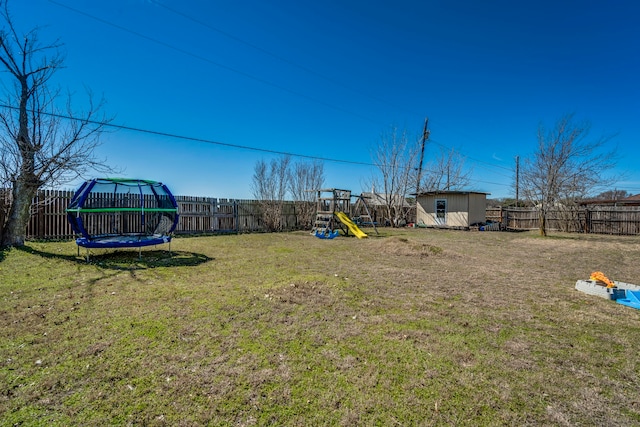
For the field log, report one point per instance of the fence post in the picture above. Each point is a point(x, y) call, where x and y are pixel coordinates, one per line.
point(215, 223)
point(236, 217)
point(506, 221)
point(587, 220)
point(38, 204)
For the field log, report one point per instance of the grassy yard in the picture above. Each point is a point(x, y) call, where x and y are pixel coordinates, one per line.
point(415, 327)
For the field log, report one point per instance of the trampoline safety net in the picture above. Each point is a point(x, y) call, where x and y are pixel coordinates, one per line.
point(107, 212)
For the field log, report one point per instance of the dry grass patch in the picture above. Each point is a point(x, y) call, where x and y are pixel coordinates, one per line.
point(416, 327)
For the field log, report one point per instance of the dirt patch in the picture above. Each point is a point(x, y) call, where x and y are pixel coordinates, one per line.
point(296, 293)
point(402, 246)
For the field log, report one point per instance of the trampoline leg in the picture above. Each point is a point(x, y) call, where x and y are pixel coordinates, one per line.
point(87, 254)
point(140, 253)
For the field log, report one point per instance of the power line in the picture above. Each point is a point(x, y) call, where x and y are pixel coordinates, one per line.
point(501, 184)
point(212, 62)
point(209, 141)
point(196, 139)
point(250, 76)
point(471, 158)
point(285, 60)
point(274, 55)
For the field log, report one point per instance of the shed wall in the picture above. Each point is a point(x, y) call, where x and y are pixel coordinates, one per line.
point(423, 215)
point(477, 208)
point(462, 209)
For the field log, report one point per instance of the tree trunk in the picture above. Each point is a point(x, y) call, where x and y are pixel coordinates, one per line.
point(15, 229)
point(543, 222)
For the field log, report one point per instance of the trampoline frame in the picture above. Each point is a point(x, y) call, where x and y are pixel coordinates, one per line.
point(121, 240)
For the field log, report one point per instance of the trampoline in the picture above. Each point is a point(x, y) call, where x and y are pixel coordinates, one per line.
point(122, 213)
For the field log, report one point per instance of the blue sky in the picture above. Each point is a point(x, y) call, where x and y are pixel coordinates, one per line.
point(328, 78)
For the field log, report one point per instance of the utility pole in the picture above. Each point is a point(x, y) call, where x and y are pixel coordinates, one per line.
point(517, 180)
point(425, 137)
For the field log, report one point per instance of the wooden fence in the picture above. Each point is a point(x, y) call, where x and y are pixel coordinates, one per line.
point(213, 215)
point(621, 220)
point(197, 215)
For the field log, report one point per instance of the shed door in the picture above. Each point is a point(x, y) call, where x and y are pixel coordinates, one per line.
point(441, 211)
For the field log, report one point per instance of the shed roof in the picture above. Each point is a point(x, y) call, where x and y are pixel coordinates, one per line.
point(627, 201)
point(631, 199)
point(445, 193)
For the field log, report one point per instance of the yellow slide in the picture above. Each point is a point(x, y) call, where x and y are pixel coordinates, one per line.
point(353, 228)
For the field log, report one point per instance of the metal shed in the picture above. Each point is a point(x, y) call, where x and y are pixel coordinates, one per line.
point(451, 209)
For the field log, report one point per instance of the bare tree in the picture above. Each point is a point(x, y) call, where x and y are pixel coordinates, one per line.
point(306, 177)
point(566, 167)
point(269, 185)
point(613, 195)
point(446, 172)
point(396, 157)
point(39, 145)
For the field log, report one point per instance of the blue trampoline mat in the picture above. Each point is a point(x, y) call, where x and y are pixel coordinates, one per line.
point(122, 241)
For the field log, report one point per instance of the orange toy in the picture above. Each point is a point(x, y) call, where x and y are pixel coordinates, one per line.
point(599, 276)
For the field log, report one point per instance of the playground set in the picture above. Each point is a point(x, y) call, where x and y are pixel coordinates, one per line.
point(331, 217)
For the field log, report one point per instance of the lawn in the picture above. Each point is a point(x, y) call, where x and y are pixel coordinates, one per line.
point(412, 327)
